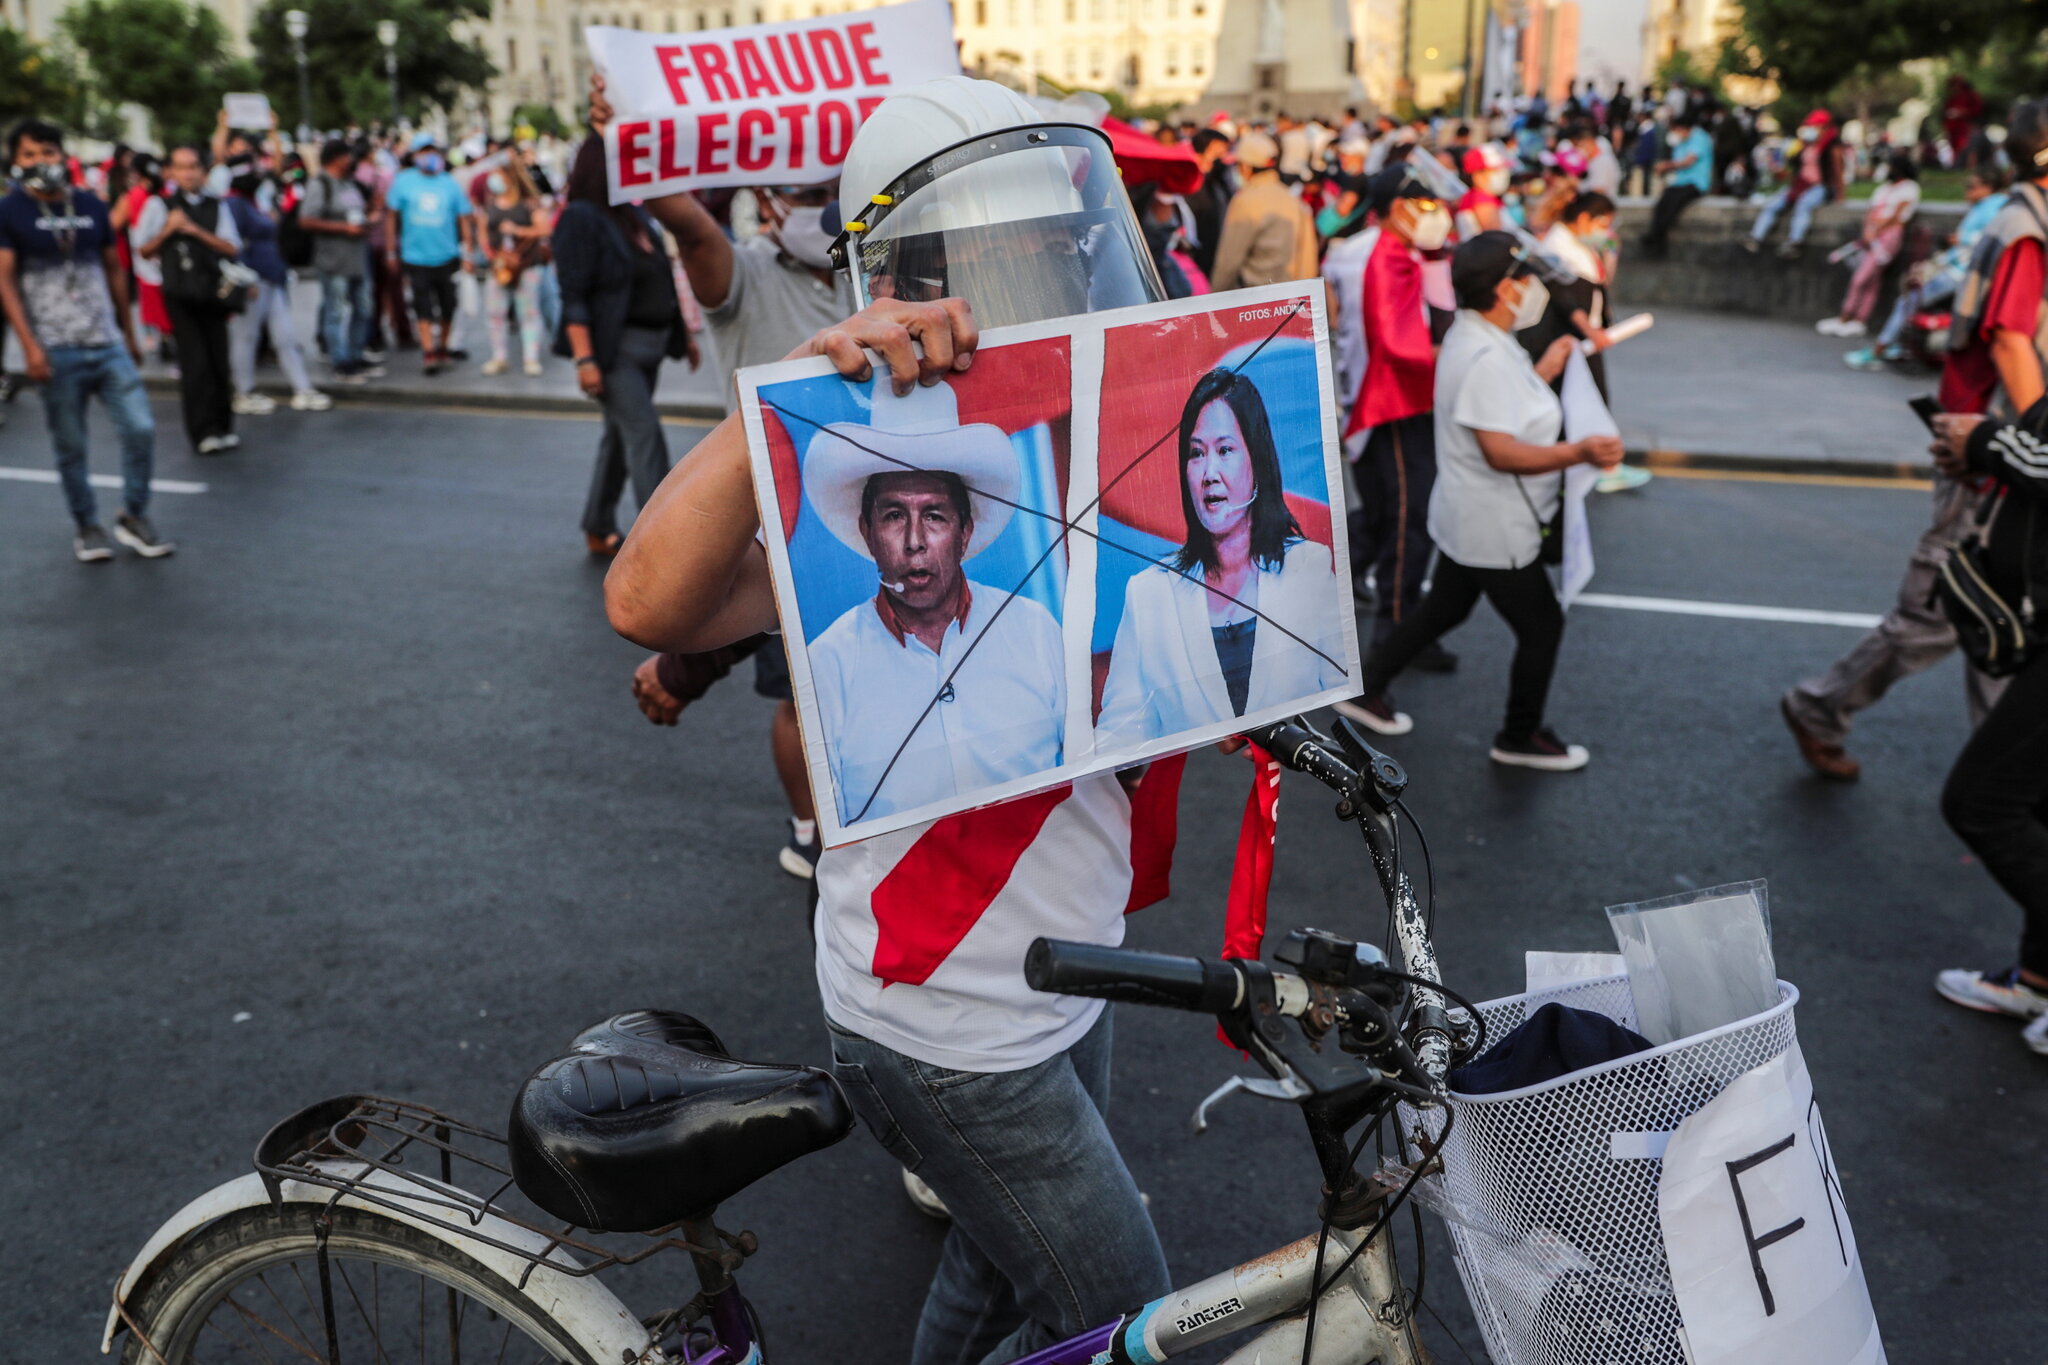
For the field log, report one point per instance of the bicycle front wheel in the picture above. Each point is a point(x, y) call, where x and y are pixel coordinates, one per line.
point(247, 1291)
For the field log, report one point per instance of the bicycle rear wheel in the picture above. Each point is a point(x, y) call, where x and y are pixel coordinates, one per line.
point(247, 1291)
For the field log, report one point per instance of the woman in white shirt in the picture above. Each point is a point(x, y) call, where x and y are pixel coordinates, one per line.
point(1499, 486)
point(1892, 205)
point(1247, 613)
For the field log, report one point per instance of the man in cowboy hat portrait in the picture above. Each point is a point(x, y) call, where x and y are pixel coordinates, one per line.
point(938, 686)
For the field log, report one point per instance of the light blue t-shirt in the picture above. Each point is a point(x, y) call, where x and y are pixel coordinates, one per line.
point(1700, 175)
point(429, 209)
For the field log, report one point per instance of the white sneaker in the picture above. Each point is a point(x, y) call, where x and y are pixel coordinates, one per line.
point(254, 405)
point(925, 1198)
point(2035, 1035)
point(533, 369)
point(495, 366)
point(311, 400)
point(1854, 327)
point(1376, 714)
point(1992, 992)
point(209, 445)
point(229, 441)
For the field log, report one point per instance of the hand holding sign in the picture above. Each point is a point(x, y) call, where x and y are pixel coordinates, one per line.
point(760, 105)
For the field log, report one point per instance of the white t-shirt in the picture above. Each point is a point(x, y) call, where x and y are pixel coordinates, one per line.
point(1485, 382)
point(922, 933)
point(1888, 198)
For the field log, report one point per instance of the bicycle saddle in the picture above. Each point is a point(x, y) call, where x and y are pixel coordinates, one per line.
point(648, 1120)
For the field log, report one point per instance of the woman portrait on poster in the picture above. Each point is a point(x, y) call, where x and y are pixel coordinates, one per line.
point(1245, 615)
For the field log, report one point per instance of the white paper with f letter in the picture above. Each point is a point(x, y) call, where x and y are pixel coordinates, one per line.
point(1763, 1263)
point(1585, 414)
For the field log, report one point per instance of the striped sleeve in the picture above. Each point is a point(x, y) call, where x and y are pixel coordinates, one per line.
point(2016, 452)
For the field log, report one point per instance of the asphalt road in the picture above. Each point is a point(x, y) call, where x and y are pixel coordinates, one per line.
point(350, 795)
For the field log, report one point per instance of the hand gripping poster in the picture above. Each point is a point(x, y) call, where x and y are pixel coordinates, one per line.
point(1109, 540)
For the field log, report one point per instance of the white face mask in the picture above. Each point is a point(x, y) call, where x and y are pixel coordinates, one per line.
point(1431, 230)
point(803, 236)
point(1809, 134)
point(1535, 298)
point(1494, 182)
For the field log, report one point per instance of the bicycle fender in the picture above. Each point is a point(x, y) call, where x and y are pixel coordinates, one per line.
point(586, 1308)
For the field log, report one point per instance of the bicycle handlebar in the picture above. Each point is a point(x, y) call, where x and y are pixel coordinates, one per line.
point(1203, 986)
point(1302, 749)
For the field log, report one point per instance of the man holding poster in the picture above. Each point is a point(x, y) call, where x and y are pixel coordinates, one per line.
point(996, 1091)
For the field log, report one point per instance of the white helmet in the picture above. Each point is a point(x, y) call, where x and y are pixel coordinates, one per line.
point(961, 188)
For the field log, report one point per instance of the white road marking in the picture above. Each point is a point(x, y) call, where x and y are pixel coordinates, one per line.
point(1798, 616)
point(98, 480)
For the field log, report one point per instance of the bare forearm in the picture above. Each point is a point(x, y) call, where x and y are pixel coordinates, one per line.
point(2019, 368)
point(1511, 455)
point(11, 309)
point(579, 339)
point(706, 254)
point(691, 576)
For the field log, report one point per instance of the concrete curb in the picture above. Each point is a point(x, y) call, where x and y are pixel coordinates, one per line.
point(427, 396)
point(1657, 459)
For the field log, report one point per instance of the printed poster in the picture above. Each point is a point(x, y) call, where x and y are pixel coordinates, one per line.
point(766, 104)
point(1108, 541)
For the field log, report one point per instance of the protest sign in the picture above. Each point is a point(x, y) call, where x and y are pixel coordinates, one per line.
point(250, 113)
point(1763, 1261)
point(1585, 414)
point(1110, 540)
point(767, 104)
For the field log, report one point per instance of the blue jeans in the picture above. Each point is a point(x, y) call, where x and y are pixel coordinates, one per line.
point(1810, 199)
point(1049, 1235)
point(76, 374)
point(345, 318)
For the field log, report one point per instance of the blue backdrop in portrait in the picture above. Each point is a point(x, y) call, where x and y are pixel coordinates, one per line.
point(831, 579)
point(1285, 373)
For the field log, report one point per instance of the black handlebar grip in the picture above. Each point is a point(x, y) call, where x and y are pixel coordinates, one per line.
point(1203, 985)
point(1301, 748)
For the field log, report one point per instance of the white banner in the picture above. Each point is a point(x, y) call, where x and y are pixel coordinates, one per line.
point(1585, 414)
point(1762, 1259)
point(768, 104)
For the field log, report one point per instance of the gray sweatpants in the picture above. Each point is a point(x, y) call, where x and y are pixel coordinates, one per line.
point(1913, 636)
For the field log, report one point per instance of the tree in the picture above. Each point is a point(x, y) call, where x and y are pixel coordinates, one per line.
point(1810, 48)
point(345, 62)
point(170, 57)
point(542, 118)
point(37, 80)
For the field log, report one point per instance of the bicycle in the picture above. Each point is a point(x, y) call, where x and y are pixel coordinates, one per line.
point(354, 1231)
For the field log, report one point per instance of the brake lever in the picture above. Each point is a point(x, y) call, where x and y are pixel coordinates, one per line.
point(1289, 1088)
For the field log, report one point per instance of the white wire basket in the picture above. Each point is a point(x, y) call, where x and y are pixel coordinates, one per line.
point(1550, 1192)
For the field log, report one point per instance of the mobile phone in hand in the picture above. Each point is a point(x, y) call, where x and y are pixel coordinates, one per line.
point(1926, 408)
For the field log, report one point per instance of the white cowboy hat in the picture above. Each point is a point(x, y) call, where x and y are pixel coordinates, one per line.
point(918, 432)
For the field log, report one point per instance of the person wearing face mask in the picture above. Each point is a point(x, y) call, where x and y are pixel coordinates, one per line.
point(431, 228)
point(1688, 168)
point(514, 236)
point(1397, 465)
point(1500, 485)
point(1268, 236)
point(1239, 618)
point(1814, 176)
point(63, 294)
point(193, 232)
point(994, 1094)
point(1480, 208)
point(1582, 242)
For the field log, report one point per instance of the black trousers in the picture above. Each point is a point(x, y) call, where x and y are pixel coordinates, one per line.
point(632, 441)
point(1394, 475)
point(205, 384)
point(1996, 801)
point(1675, 200)
point(1524, 599)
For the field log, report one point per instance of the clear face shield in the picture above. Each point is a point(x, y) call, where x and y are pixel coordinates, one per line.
point(1026, 224)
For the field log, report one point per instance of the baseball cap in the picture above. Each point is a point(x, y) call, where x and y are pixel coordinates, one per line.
point(1482, 262)
point(1398, 181)
point(422, 141)
point(1256, 151)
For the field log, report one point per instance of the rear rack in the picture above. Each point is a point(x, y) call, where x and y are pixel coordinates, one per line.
point(420, 1162)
